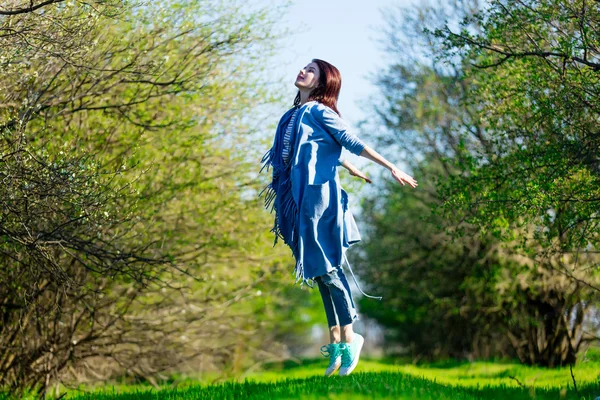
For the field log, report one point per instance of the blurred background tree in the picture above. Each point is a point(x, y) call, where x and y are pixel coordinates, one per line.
point(494, 253)
point(130, 239)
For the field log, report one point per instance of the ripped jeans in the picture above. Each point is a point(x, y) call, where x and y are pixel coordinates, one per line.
point(337, 298)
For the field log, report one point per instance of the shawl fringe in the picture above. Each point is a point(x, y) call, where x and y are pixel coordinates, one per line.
point(278, 197)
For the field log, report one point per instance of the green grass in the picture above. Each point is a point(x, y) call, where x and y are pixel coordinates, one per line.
point(377, 379)
point(362, 385)
point(455, 373)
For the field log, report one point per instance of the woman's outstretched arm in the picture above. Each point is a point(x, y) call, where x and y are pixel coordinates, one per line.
point(398, 175)
point(339, 129)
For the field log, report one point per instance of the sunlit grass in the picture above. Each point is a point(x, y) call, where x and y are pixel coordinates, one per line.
point(510, 374)
point(363, 385)
point(461, 373)
point(381, 379)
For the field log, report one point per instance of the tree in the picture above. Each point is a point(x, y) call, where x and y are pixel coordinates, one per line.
point(128, 243)
point(536, 67)
point(469, 285)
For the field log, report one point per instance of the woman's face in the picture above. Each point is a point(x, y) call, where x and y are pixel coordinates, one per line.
point(308, 77)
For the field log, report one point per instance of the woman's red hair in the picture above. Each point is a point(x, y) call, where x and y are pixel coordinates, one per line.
point(328, 89)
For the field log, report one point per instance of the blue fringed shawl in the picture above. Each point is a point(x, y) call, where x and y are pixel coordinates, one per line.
point(279, 192)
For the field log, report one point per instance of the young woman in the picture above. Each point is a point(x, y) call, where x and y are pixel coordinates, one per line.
point(311, 208)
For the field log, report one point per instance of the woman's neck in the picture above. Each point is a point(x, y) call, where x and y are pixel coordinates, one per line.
point(304, 97)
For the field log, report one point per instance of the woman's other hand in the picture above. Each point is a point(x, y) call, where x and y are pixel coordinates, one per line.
point(354, 171)
point(358, 173)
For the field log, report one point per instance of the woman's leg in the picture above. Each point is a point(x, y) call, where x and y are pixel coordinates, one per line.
point(347, 334)
point(338, 299)
point(335, 335)
point(334, 328)
point(341, 300)
point(332, 350)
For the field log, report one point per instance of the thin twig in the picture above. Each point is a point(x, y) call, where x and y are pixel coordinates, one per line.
point(514, 378)
point(574, 381)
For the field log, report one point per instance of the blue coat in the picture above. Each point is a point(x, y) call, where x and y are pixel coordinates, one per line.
point(311, 208)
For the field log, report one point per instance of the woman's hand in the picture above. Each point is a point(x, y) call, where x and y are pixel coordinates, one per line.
point(402, 177)
point(355, 171)
point(360, 174)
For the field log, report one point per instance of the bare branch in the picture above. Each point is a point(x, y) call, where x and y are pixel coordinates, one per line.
point(29, 9)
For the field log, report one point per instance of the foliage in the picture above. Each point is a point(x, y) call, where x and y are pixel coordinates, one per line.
point(130, 236)
point(537, 80)
point(478, 281)
point(430, 284)
point(536, 185)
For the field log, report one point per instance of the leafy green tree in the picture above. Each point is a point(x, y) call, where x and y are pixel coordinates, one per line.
point(473, 287)
point(131, 240)
point(536, 64)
